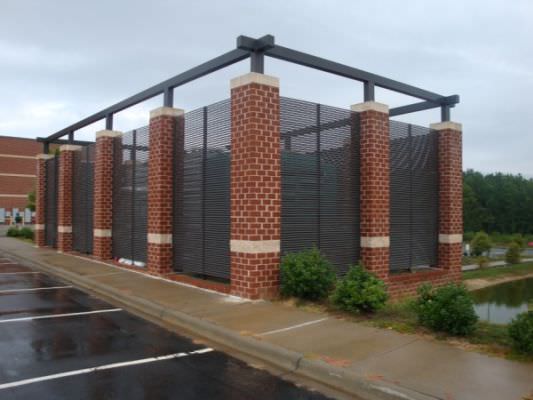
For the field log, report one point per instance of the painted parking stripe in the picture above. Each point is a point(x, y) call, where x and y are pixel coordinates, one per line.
point(289, 328)
point(101, 368)
point(60, 315)
point(33, 289)
point(19, 273)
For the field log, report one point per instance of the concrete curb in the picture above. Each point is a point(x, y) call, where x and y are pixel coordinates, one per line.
point(340, 379)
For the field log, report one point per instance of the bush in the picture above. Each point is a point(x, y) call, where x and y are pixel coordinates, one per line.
point(513, 255)
point(26, 233)
point(482, 261)
point(447, 309)
point(480, 243)
point(13, 232)
point(521, 333)
point(307, 275)
point(468, 236)
point(359, 291)
point(519, 240)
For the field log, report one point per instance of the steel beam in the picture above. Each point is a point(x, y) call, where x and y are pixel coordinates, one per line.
point(206, 68)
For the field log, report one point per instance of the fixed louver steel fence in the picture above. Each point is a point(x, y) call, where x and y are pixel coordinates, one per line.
point(82, 199)
point(202, 193)
point(52, 187)
point(320, 181)
point(130, 196)
point(413, 196)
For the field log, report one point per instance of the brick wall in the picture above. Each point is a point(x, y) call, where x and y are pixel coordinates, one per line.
point(374, 189)
point(17, 156)
point(165, 124)
point(255, 186)
point(103, 193)
point(64, 206)
point(40, 200)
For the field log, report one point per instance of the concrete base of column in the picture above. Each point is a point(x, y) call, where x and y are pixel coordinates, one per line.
point(160, 257)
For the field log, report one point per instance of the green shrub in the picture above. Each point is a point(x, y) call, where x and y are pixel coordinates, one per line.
point(468, 236)
point(307, 275)
point(447, 309)
point(26, 233)
point(513, 255)
point(519, 240)
point(482, 261)
point(13, 232)
point(521, 332)
point(359, 292)
point(480, 243)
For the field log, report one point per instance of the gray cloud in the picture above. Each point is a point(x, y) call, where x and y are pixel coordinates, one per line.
point(61, 60)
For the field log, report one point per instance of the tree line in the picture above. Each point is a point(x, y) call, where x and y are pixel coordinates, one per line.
point(497, 202)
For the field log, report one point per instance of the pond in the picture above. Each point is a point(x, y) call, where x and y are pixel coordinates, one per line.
point(499, 304)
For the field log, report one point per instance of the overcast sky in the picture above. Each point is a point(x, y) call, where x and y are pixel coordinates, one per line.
point(61, 61)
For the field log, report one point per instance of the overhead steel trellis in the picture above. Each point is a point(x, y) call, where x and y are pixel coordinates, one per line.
point(256, 50)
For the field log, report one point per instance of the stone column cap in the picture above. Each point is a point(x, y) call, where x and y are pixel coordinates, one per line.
point(69, 147)
point(44, 156)
point(440, 126)
point(166, 111)
point(108, 133)
point(254, 77)
point(370, 106)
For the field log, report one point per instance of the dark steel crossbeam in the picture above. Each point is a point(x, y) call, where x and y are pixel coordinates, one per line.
point(297, 57)
point(256, 49)
point(449, 101)
point(206, 68)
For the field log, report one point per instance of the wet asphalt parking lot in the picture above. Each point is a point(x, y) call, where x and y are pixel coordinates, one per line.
point(57, 342)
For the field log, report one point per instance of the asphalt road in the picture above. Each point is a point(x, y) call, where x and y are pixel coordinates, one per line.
point(56, 342)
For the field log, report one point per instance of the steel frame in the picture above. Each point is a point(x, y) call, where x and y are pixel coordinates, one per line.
point(256, 50)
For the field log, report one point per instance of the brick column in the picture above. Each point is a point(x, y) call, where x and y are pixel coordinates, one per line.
point(450, 196)
point(103, 193)
point(40, 200)
point(374, 189)
point(255, 186)
point(64, 201)
point(166, 124)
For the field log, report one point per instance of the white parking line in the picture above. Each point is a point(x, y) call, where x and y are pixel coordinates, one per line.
point(101, 368)
point(60, 315)
point(19, 273)
point(7, 262)
point(292, 327)
point(34, 289)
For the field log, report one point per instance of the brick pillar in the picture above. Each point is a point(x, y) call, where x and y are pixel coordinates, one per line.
point(64, 201)
point(103, 193)
point(255, 186)
point(374, 189)
point(166, 124)
point(40, 200)
point(450, 196)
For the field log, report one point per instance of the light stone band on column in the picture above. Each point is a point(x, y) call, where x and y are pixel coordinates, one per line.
point(69, 147)
point(375, 242)
point(108, 133)
point(370, 106)
point(166, 111)
point(44, 156)
point(64, 228)
point(160, 238)
point(39, 227)
point(102, 233)
point(440, 126)
point(255, 246)
point(450, 238)
point(254, 77)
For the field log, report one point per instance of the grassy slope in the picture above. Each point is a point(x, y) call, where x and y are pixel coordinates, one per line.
point(499, 272)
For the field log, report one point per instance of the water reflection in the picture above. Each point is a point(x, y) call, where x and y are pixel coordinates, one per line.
point(501, 303)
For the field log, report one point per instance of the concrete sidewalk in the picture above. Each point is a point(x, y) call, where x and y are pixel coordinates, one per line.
point(360, 360)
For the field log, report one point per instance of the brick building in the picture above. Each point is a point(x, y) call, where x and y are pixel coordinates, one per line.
point(17, 170)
